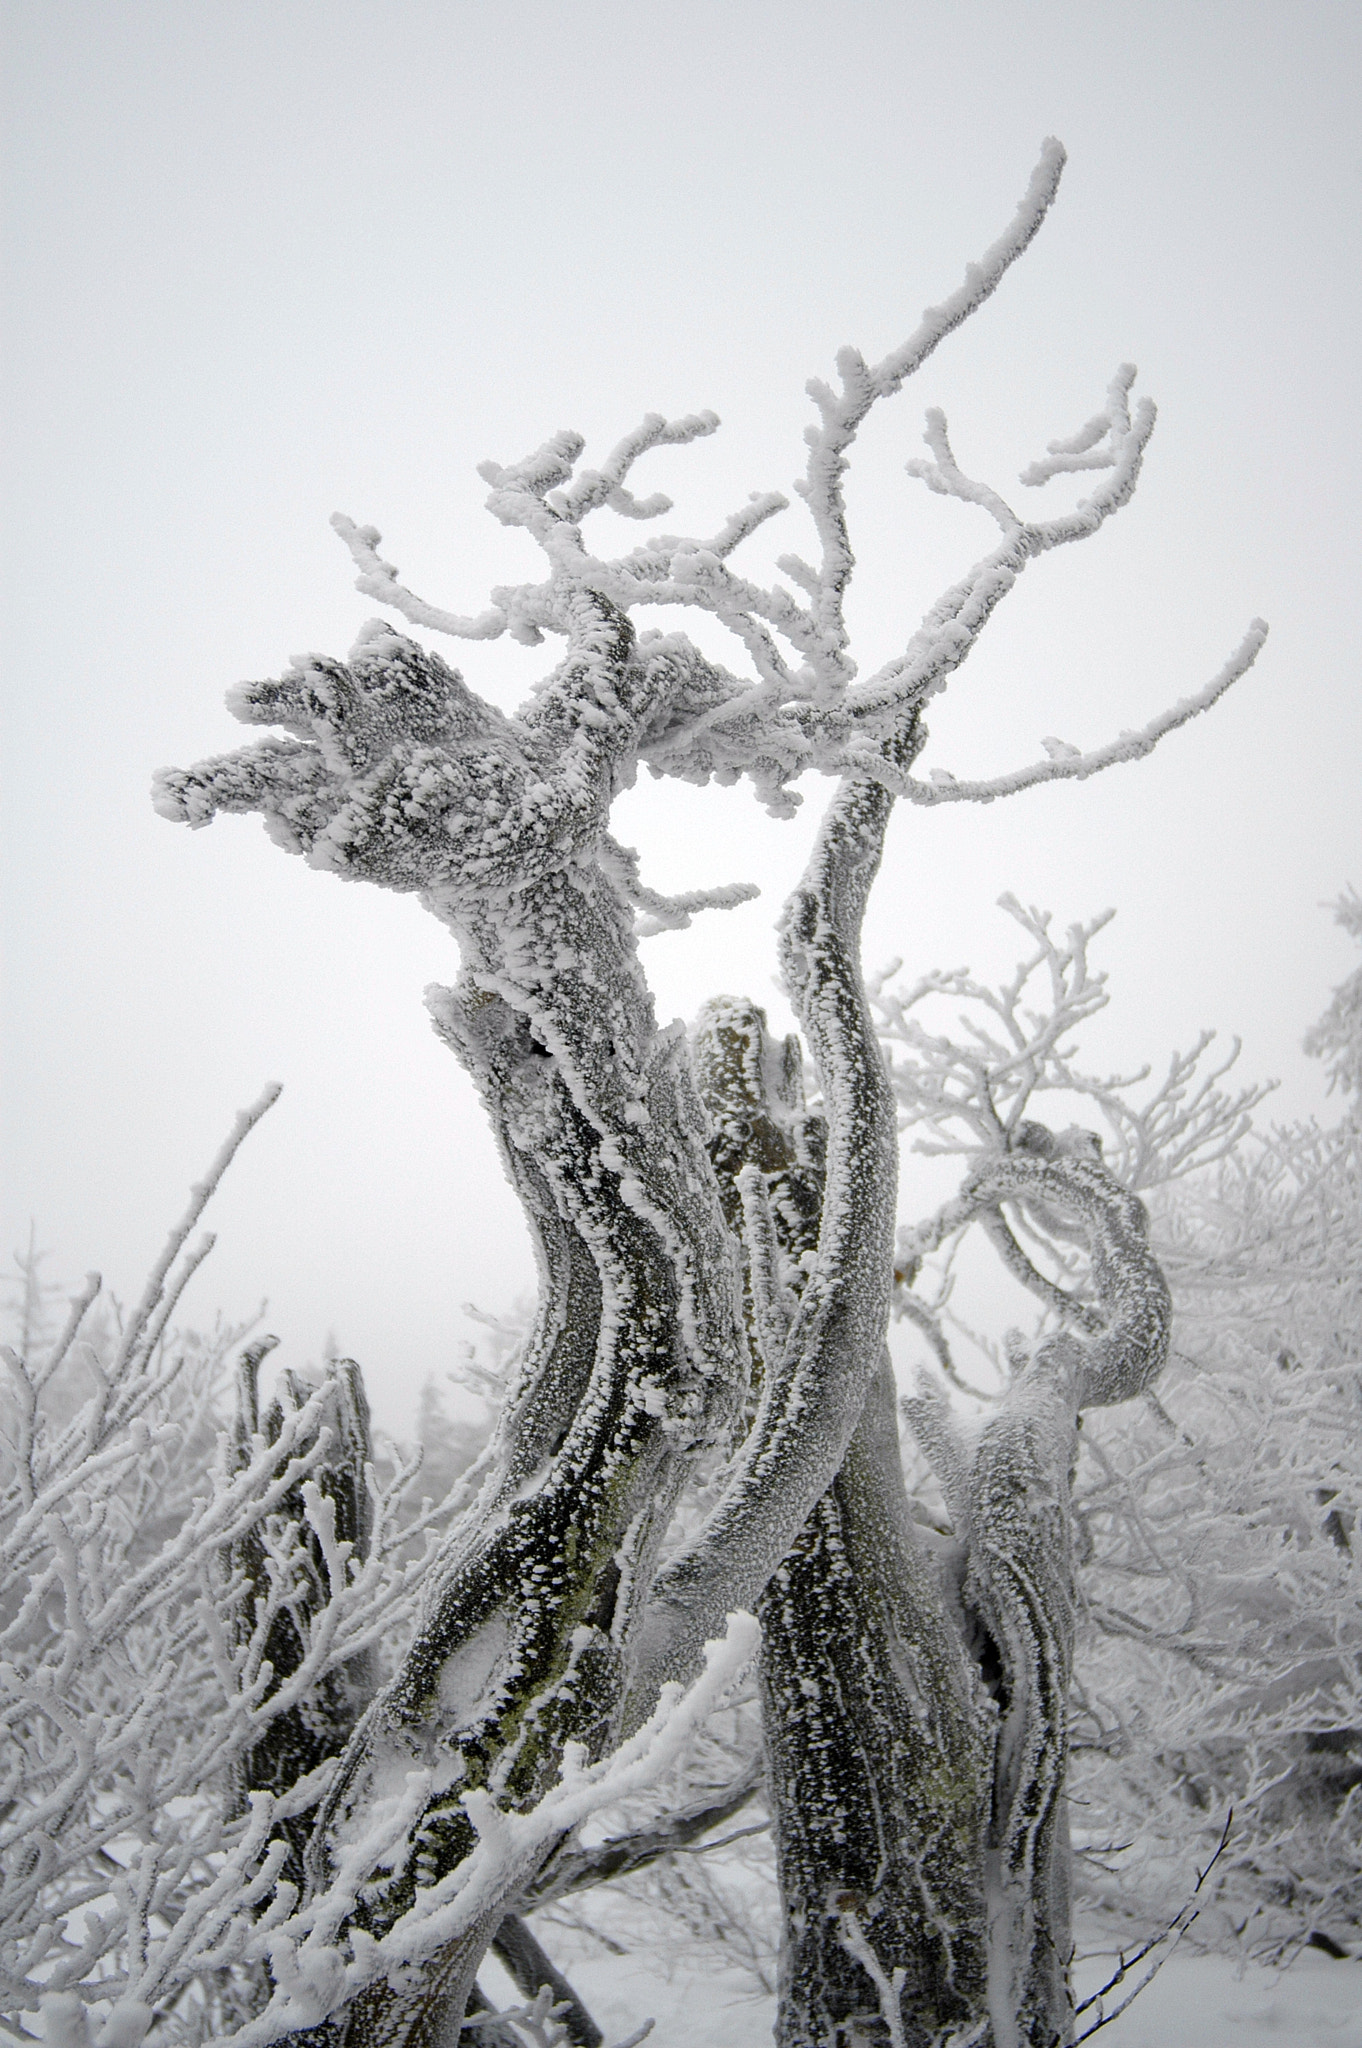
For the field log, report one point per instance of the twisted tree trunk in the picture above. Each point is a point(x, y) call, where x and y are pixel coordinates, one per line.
point(916, 1718)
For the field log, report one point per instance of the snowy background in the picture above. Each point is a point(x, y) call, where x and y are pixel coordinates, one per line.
point(267, 261)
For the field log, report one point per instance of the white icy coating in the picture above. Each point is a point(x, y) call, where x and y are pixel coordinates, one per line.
point(465, 1676)
point(974, 1093)
point(1006, 1475)
point(1216, 1623)
point(1067, 763)
point(1007, 1486)
point(971, 1067)
point(1222, 1620)
point(1337, 1037)
point(801, 706)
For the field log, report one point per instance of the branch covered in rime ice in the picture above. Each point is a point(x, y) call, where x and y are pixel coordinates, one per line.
point(972, 1083)
point(575, 1868)
point(314, 1976)
point(972, 1080)
point(1068, 764)
point(1222, 1648)
point(1006, 1484)
point(1337, 1037)
point(799, 707)
point(542, 495)
point(540, 2023)
point(1218, 1656)
point(815, 1383)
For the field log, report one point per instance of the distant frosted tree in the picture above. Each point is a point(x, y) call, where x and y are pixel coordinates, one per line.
point(701, 1426)
point(450, 1443)
point(1337, 1038)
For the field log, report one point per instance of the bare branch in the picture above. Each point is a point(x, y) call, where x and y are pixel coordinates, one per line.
point(379, 579)
point(1130, 746)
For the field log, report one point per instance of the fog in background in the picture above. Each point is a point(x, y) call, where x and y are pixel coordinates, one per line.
point(267, 261)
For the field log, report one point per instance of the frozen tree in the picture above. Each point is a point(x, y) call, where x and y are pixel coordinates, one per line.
point(1219, 1648)
point(701, 1424)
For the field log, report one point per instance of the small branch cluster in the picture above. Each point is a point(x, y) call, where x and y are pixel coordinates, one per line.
point(800, 705)
point(970, 1091)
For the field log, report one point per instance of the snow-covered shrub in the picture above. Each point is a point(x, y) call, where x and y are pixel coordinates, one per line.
point(194, 1605)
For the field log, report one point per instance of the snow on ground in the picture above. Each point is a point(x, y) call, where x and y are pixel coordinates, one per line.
point(1194, 2002)
point(1206, 2002)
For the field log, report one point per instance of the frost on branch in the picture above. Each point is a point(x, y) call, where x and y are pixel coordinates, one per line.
point(1337, 1037)
point(373, 741)
point(286, 1610)
point(1006, 1485)
point(972, 1066)
point(424, 1944)
point(815, 1383)
point(1222, 1647)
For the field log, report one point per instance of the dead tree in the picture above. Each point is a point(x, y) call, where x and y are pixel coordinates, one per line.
point(715, 1269)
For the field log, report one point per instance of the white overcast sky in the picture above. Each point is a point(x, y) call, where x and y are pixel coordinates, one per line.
point(270, 259)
